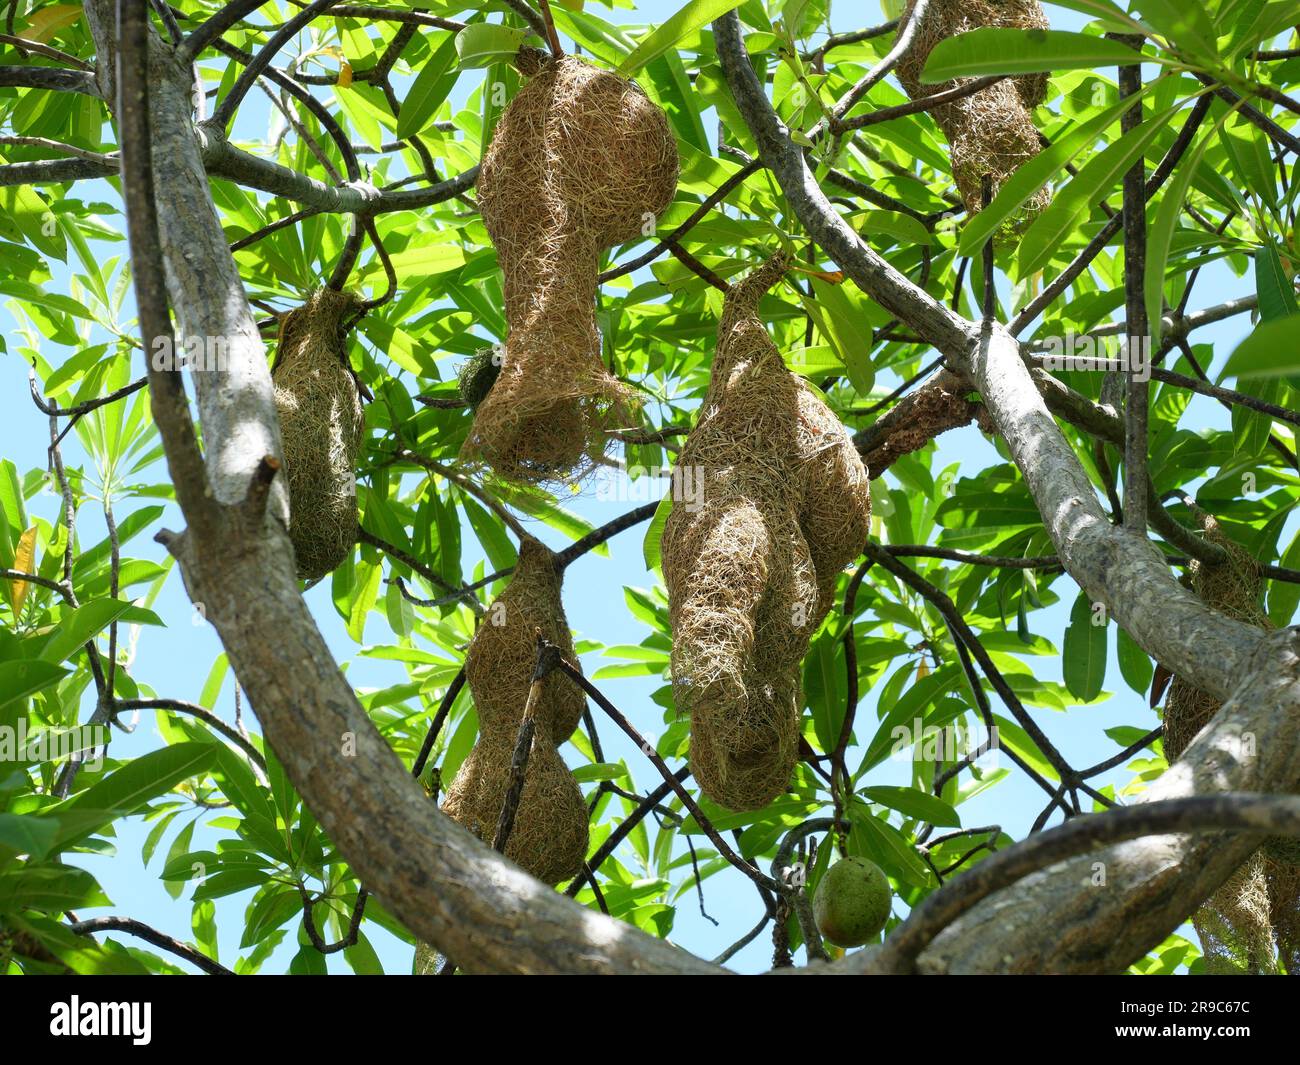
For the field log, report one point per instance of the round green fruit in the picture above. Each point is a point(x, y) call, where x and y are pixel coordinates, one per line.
point(852, 902)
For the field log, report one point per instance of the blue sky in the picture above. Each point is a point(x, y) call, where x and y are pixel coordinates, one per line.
point(175, 660)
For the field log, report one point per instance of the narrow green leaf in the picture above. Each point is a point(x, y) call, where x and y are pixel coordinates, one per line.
point(125, 790)
point(24, 677)
point(997, 50)
point(431, 87)
point(1099, 176)
point(1273, 285)
point(88, 620)
point(655, 533)
point(1186, 25)
point(1272, 350)
point(687, 20)
point(1161, 234)
point(914, 803)
point(1134, 663)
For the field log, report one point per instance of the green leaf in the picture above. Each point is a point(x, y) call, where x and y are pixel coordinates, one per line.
point(655, 533)
point(1273, 285)
point(23, 677)
point(482, 44)
point(1084, 652)
point(24, 208)
point(365, 596)
point(886, 845)
point(28, 834)
point(914, 803)
point(89, 619)
point(53, 888)
point(1134, 664)
point(841, 320)
point(127, 789)
point(1186, 25)
point(996, 50)
point(687, 20)
point(430, 88)
point(1284, 596)
point(1161, 234)
point(599, 771)
point(1098, 178)
point(1272, 350)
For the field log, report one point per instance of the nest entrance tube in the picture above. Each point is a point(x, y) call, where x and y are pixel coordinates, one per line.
point(751, 569)
point(321, 425)
point(992, 131)
point(549, 837)
point(581, 160)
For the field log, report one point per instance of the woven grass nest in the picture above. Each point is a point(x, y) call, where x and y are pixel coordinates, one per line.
point(751, 572)
point(321, 425)
point(1257, 911)
point(992, 131)
point(549, 837)
point(581, 160)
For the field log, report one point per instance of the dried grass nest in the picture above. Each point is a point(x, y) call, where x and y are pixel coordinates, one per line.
point(321, 427)
point(549, 837)
point(581, 160)
point(992, 131)
point(1257, 910)
point(751, 571)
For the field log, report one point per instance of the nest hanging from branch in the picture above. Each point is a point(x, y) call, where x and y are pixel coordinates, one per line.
point(990, 132)
point(581, 160)
point(751, 570)
point(549, 837)
point(321, 426)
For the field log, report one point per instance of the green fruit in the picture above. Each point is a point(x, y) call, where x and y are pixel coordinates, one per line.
point(852, 902)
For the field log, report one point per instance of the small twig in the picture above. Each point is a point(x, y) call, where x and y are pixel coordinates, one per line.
point(407, 559)
point(180, 706)
point(552, 38)
point(902, 44)
point(691, 805)
point(439, 719)
point(47, 50)
point(714, 198)
point(546, 660)
point(698, 268)
point(354, 924)
point(460, 480)
point(151, 935)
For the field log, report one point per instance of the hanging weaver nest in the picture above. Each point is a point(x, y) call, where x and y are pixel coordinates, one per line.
point(549, 837)
point(751, 570)
point(321, 424)
point(1261, 900)
point(581, 161)
point(992, 131)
